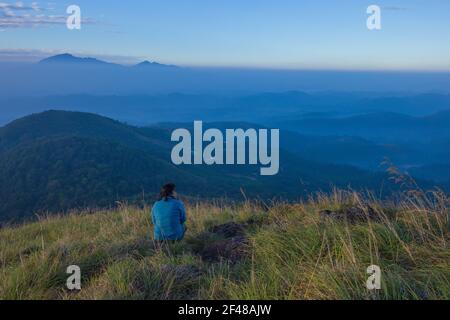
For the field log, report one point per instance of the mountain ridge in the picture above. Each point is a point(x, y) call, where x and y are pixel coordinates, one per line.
point(66, 58)
point(77, 149)
point(153, 64)
point(70, 59)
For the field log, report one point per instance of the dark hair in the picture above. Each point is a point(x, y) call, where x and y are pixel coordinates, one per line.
point(166, 191)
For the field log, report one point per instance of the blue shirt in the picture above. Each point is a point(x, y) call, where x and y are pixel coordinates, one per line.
point(168, 218)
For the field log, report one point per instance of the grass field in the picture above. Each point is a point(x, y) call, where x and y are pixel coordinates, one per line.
point(271, 251)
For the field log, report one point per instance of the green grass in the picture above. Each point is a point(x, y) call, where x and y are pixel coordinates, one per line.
point(293, 253)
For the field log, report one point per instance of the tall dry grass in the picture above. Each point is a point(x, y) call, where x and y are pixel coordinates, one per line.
point(293, 252)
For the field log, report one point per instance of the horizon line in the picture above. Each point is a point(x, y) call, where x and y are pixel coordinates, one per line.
point(134, 60)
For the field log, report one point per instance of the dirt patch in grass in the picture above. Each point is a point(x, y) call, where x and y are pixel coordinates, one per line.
point(229, 230)
point(352, 214)
point(233, 250)
point(223, 242)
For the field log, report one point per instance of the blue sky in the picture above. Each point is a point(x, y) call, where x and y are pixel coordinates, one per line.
point(288, 34)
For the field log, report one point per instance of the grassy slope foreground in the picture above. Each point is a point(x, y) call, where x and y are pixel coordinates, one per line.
point(241, 251)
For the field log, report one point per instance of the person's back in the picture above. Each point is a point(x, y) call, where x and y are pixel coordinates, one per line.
point(168, 216)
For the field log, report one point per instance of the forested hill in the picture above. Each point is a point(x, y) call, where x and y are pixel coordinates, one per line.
point(57, 160)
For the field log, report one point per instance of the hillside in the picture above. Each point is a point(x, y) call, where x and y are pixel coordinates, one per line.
point(316, 250)
point(57, 161)
point(438, 172)
point(378, 126)
point(346, 150)
point(59, 174)
point(60, 123)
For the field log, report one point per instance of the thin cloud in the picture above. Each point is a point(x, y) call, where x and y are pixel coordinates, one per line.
point(19, 6)
point(24, 55)
point(395, 8)
point(19, 15)
point(27, 21)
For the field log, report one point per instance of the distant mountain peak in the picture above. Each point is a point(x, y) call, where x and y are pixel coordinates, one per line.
point(146, 63)
point(69, 58)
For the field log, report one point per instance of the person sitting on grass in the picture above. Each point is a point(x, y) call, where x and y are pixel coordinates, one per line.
point(168, 215)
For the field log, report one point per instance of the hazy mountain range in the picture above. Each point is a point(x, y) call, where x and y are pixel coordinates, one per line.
point(66, 74)
point(55, 161)
point(115, 145)
point(69, 59)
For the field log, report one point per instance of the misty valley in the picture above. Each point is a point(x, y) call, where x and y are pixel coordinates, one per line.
point(237, 147)
point(62, 150)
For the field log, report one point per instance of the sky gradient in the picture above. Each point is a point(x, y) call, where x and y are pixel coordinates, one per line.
point(289, 34)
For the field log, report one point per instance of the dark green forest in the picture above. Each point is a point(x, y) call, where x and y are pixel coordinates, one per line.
point(56, 161)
